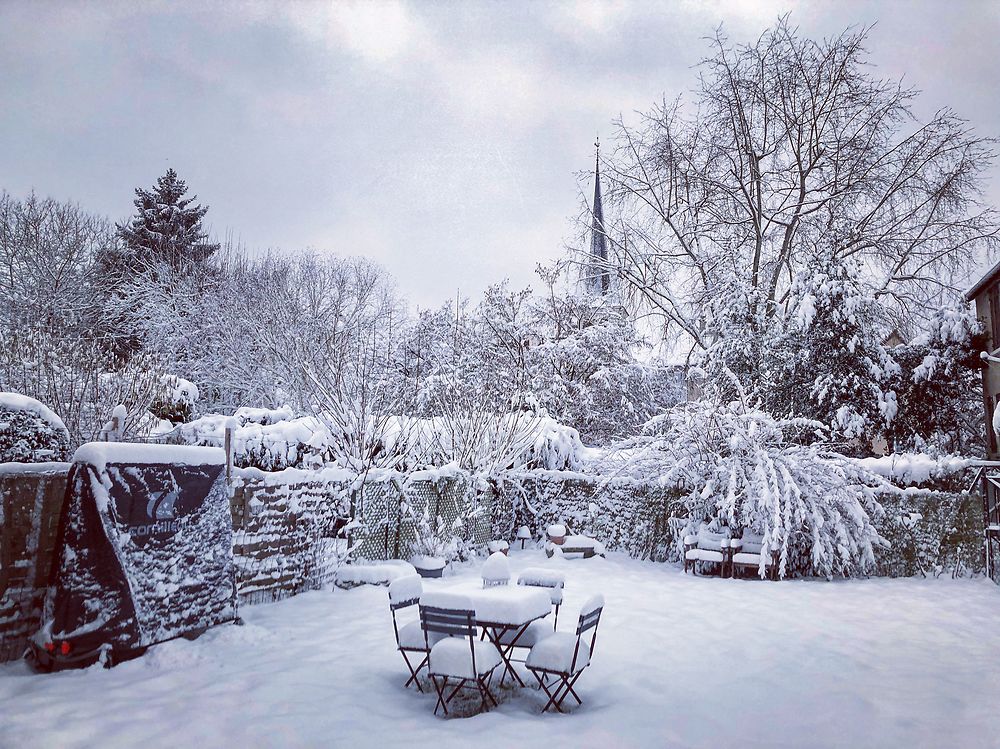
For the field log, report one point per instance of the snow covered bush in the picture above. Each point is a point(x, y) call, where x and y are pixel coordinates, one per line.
point(30, 432)
point(269, 439)
point(938, 386)
point(736, 468)
point(175, 400)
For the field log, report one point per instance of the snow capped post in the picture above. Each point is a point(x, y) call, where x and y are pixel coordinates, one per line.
point(231, 424)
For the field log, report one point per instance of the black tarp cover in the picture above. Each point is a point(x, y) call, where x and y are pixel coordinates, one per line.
point(145, 548)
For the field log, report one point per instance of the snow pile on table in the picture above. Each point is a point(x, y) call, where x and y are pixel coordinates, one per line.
point(30, 432)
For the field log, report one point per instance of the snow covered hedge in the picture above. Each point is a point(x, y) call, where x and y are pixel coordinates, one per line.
point(931, 534)
point(268, 439)
point(644, 519)
point(30, 432)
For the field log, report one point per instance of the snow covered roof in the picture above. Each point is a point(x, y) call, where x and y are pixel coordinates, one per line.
point(99, 454)
point(983, 282)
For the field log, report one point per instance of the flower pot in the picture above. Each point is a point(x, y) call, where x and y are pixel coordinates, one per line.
point(428, 566)
point(556, 533)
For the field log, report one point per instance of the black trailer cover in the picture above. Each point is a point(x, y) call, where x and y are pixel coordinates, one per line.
point(144, 552)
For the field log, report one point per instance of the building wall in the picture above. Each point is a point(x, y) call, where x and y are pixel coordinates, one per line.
point(991, 374)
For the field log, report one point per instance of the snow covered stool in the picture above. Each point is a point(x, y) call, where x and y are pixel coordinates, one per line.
point(706, 546)
point(565, 656)
point(458, 654)
point(496, 570)
point(749, 550)
point(523, 534)
point(410, 638)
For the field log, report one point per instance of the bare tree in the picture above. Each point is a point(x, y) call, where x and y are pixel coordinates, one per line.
point(792, 154)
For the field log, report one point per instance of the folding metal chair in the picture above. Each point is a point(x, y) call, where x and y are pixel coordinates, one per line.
point(554, 582)
point(411, 640)
point(458, 655)
point(565, 656)
point(544, 578)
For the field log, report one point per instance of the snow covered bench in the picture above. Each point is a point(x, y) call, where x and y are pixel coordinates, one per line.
point(706, 546)
point(376, 573)
point(747, 552)
point(576, 546)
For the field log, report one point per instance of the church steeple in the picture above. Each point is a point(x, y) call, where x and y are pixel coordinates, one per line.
point(598, 278)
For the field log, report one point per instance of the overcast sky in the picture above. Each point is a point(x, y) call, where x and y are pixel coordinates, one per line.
point(444, 140)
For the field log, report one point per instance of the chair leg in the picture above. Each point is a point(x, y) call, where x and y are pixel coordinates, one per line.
point(569, 689)
point(451, 696)
point(440, 692)
point(484, 689)
point(552, 697)
point(414, 671)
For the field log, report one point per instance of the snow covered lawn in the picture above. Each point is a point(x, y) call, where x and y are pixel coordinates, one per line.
point(680, 661)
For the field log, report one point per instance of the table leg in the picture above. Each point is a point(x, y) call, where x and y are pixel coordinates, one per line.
point(506, 651)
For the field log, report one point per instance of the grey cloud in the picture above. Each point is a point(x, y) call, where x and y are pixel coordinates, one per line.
point(447, 148)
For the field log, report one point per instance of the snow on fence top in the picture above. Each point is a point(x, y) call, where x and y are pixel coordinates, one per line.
point(18, 402)
point(100, 454)
point(23, 468)
point(914, 468)
point(289, 476)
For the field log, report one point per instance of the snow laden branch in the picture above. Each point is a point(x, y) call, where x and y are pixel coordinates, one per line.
point(738, 470)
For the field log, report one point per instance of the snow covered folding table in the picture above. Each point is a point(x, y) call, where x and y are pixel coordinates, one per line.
point(503, 609)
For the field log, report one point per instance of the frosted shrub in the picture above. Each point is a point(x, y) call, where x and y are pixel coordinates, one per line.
point(737, 469)
point(30, 432)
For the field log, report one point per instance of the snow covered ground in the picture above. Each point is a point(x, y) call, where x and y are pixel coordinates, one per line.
point(680, 662)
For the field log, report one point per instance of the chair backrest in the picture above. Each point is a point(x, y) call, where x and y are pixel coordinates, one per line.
point(405, 591)
point(448, 622)
point(543, 578)
point(590, 614)
point(590, 617)
point(449, 614)
point(753, 543)
point(711, 540)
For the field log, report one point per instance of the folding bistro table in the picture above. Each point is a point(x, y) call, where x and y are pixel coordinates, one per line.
point(505, 608)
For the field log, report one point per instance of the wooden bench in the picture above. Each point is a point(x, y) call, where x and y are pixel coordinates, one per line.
point(746, 552)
